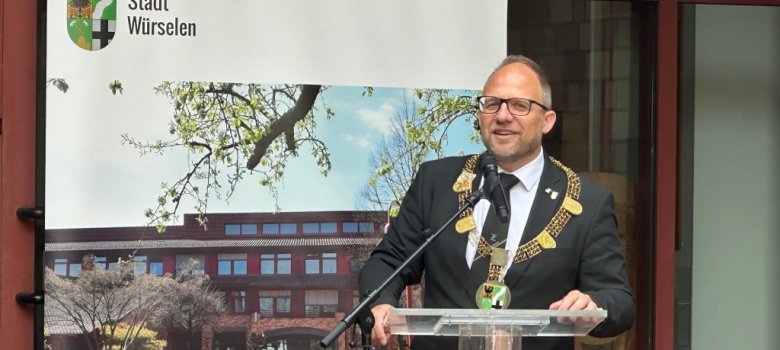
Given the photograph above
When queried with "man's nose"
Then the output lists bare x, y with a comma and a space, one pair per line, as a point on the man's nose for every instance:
503, 115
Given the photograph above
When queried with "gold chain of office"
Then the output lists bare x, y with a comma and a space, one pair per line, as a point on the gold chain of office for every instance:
546, 238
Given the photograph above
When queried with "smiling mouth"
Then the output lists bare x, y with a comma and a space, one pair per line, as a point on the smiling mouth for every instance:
503, 133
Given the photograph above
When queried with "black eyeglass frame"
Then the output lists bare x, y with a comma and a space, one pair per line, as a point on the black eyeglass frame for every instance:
506, 100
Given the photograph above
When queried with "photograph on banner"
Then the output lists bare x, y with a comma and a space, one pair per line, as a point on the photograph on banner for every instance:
216, 175
205, 215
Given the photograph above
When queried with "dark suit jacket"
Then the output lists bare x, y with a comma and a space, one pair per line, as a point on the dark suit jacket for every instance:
588, 256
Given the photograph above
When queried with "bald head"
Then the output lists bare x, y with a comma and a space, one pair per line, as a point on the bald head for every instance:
544, 84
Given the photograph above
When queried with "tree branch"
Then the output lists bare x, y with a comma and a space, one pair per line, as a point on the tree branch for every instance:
285, 123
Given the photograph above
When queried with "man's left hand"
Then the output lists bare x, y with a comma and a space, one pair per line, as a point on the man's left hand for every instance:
575, 300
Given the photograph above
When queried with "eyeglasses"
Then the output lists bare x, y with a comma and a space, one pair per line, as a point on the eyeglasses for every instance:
517, 106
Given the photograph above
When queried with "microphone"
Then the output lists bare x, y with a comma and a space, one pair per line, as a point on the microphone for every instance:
495, 190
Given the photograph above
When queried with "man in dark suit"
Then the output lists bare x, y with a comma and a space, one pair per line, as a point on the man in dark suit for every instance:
561, 240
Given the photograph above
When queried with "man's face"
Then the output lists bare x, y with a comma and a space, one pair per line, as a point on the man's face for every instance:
514, 140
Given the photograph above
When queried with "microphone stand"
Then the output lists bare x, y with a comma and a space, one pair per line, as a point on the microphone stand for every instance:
362, 313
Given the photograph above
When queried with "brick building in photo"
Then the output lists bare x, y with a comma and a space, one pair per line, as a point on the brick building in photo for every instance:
287, 278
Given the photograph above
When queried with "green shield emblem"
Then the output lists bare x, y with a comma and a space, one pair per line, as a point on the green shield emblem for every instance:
493, 295
91, 23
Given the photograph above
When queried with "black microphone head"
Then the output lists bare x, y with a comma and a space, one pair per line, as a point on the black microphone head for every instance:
492, 187
489, 173
487, 160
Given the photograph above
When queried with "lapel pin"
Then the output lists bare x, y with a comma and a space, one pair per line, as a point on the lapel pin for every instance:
553, 194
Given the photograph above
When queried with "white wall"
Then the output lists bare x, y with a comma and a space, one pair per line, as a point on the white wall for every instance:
736, 181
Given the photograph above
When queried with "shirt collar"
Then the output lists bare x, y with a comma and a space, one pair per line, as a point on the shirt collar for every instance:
530, 173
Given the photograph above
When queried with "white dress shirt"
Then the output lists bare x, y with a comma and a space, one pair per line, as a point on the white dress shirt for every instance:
521, 196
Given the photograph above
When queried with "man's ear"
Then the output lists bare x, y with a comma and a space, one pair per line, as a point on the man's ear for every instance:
549, 120
476, 123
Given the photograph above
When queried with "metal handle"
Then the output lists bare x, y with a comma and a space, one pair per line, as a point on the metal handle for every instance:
30, 213
25, 297
29, 298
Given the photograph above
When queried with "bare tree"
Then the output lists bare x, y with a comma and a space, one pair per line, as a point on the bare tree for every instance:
393, 162
98, 300
193, 304
419, 132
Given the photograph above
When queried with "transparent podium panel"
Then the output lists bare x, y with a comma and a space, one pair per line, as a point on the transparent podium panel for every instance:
493, 329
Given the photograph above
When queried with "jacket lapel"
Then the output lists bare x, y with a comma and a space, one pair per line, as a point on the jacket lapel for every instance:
542, 210
471, 284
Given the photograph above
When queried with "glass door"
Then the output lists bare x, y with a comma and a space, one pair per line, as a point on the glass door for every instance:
600, 59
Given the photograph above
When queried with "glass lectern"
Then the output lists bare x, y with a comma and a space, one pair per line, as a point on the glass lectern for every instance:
493, 329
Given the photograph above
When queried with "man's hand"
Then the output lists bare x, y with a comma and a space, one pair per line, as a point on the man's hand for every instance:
575, 300
379, 334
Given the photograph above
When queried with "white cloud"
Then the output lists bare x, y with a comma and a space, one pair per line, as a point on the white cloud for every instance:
361, 141
379, 119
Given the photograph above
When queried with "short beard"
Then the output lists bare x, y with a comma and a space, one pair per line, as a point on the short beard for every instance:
513, 155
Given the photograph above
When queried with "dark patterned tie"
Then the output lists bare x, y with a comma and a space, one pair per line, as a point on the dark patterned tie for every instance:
494, 231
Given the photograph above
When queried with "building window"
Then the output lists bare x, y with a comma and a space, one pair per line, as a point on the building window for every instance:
231, 264
199, 261
62, 268
274, 302
284, 264
275, 229
249, 229
275, 264
239, 301
75, 270
139, 264
350, 227
240, 229
328, 227
312, 263
329, 263
321, 303
101, 263
270, 229
267, 264
358, 227
311, 228
321, 263
156, 268
314, 228
288, 229
367, 227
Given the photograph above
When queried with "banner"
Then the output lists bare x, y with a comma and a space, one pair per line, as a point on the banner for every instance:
254, 144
